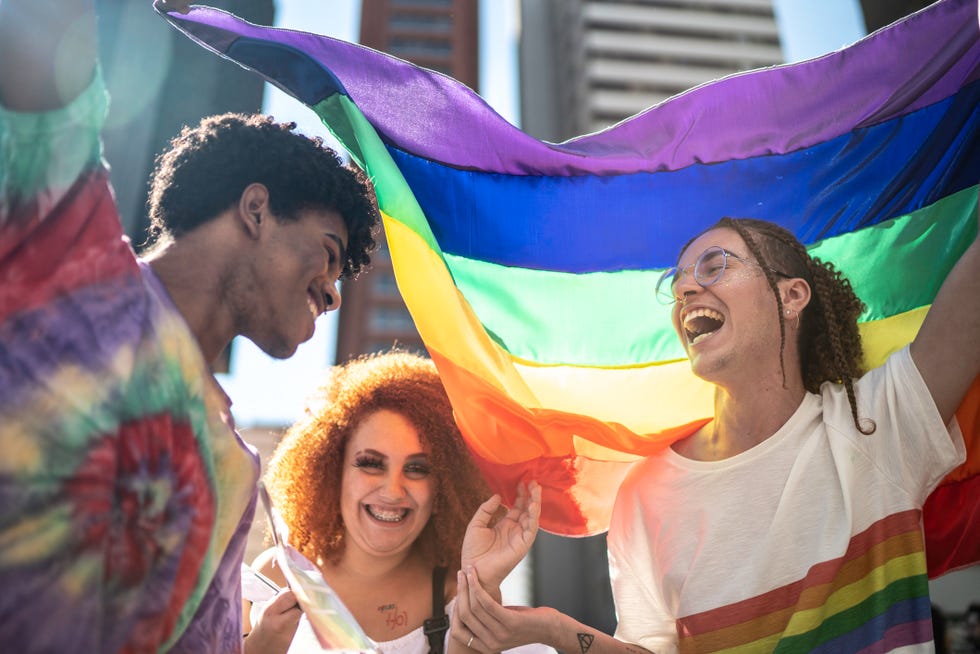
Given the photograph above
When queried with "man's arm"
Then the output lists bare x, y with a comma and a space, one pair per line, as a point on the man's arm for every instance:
947, 348
47, 52
494, 628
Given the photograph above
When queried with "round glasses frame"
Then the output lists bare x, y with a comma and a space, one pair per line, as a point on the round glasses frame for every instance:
707, 270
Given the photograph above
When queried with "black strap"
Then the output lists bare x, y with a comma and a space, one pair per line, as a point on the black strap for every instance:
435, 627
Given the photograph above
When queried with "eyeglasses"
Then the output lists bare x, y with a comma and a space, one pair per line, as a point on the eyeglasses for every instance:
708, 269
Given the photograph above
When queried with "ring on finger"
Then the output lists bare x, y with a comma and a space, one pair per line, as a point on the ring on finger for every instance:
470, 641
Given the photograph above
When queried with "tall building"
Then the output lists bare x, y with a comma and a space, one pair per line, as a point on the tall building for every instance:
878, 13
437, 34
587, 64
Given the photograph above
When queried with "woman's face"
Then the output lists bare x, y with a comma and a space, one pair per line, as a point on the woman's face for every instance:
387, 487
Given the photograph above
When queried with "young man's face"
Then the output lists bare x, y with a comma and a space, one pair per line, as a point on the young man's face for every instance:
295, 278
730, 322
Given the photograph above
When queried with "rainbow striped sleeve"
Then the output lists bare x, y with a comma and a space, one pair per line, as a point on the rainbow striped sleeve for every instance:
529, 266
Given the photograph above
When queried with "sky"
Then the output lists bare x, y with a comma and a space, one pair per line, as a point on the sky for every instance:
271, 392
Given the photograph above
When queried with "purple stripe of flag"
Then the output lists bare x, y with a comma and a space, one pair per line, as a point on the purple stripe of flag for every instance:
894, 71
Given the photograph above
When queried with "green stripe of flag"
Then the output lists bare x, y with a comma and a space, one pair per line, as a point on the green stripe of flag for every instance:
346, 122
614, 319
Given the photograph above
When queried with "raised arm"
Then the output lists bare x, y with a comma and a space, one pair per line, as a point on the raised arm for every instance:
947, 347
47, 52
495, 547
482, 624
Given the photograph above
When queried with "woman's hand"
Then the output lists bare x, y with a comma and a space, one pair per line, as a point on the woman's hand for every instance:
275, 625
494, 549
481, 623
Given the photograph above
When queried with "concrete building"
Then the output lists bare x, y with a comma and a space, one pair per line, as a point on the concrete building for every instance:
587, 64
878, 13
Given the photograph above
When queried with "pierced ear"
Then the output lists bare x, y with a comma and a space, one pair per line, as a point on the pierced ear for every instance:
796, 294
253, 207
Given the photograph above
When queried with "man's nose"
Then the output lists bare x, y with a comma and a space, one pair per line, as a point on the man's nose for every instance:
685, 284
332, 295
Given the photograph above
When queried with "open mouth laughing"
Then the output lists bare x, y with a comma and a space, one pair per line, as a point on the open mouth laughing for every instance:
316, 302
390, 514
701, 323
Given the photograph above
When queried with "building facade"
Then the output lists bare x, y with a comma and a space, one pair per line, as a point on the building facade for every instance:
878, 13
587, 64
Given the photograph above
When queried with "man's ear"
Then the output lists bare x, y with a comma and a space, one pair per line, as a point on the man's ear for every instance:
796, 293
253, 208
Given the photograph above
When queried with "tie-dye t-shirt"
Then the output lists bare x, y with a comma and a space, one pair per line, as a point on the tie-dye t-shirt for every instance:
125, 493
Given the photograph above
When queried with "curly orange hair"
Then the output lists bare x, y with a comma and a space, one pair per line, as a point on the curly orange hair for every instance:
305, 471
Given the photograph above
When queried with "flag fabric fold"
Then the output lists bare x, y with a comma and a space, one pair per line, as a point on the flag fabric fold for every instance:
529, 266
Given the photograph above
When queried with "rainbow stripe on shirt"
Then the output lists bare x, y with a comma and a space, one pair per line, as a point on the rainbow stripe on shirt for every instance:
874, 598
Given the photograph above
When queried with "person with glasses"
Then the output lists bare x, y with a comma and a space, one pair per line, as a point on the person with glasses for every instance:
792, 520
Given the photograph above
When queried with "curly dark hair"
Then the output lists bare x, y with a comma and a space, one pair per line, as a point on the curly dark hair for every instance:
206, 169
305, 471
829, 339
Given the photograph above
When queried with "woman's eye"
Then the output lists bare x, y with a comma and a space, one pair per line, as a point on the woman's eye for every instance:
369, 464
417, 470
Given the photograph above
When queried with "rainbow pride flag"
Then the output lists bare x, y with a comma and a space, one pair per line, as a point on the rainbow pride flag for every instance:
529, 267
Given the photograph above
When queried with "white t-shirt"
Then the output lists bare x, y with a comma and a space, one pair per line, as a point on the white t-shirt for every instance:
811, 539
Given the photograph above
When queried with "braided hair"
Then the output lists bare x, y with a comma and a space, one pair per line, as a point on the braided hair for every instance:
829, 340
